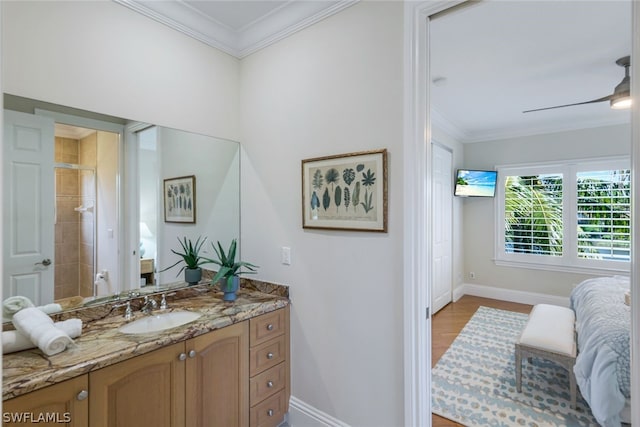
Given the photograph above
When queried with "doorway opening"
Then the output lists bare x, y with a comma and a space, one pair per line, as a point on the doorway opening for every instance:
84, 164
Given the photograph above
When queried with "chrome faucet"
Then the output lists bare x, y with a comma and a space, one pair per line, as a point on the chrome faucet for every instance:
128, 313
148, 305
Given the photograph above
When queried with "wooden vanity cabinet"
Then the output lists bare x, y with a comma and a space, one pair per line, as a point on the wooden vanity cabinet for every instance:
147, 390
269, 368
61, 403
200, 382
217, 378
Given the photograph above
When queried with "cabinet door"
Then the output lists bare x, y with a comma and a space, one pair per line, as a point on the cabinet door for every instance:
218, 378
65, 402
147, 390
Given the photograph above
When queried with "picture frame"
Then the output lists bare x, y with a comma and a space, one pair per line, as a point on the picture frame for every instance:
180, 199
345, 192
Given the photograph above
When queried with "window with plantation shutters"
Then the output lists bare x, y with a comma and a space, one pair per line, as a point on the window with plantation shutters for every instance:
568, 217
603, 214
533, 214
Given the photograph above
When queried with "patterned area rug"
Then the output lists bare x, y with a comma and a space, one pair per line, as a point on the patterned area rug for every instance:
474, 382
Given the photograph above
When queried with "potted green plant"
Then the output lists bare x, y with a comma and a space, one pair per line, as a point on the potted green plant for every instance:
191, 258
228, 274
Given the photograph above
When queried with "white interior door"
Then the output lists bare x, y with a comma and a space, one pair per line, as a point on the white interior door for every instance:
28, 220
442, 167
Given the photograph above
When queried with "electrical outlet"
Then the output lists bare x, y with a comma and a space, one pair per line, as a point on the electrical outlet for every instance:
472, 274
286, 255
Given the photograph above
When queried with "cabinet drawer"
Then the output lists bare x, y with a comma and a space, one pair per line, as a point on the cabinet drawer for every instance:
267, 355
146, 266
265, 327
265, 384
270, 412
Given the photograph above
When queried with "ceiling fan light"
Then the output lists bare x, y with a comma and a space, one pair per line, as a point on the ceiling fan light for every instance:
621, 97
621, 103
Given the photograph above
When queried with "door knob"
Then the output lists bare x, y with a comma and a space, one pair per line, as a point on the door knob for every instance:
44, 262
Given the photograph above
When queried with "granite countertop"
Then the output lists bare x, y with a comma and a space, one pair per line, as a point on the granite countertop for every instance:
101, 344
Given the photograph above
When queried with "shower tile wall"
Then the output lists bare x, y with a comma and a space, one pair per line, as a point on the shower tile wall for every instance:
74, 230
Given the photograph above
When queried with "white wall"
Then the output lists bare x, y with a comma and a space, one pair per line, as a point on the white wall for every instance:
479, 213
100, 56
149, 189
107, 210
215, 164
335, 87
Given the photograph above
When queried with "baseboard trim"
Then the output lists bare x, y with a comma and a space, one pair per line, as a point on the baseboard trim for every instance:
302, 414
511, 295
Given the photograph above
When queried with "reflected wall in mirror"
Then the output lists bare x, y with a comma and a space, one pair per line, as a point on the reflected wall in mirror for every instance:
86, 211
215, 163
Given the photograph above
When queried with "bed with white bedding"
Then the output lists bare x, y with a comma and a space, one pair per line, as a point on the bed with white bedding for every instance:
602, 368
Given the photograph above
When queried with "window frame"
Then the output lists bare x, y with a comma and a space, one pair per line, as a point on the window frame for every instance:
569, 260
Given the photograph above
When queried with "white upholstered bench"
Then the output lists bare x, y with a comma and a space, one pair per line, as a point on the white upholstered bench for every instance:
549, 334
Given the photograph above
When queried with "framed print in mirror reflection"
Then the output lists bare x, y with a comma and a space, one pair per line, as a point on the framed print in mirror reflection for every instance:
180, 199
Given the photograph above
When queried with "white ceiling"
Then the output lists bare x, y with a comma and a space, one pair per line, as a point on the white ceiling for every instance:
501, 58
497, 58
72, 132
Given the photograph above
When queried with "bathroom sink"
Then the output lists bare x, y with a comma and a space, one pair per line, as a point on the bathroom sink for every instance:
159, 322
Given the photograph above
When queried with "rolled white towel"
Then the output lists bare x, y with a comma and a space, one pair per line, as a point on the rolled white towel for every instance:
38, 327
12, 305
13, 341
50, 308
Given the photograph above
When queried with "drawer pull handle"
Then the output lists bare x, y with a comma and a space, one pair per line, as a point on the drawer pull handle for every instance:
182, 356
82, 395
270, 327
269, 356
270, 384
192, 354
270, 412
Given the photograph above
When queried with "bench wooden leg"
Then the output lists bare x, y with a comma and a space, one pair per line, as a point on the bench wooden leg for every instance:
572, 386
518, 369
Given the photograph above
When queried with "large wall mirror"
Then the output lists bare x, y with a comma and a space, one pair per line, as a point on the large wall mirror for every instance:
87, 210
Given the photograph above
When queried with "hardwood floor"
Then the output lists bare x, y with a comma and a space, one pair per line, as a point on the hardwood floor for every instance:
447, 324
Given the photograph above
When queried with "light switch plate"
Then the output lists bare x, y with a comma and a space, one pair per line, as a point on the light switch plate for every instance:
286, 255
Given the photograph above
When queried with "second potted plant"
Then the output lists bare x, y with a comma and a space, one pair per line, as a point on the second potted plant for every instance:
228, 274
191, 258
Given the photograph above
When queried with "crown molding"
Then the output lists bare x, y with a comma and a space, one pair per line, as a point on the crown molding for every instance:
448, 127
278, 24
508, 133
466, 137
295, 16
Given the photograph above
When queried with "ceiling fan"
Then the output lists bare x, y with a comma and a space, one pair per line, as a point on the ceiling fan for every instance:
620, 98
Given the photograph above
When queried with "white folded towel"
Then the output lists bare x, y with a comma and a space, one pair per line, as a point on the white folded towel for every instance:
13, 341
39, 328
12, 305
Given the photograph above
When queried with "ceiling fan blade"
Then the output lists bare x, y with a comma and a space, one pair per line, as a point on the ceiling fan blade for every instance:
593, 101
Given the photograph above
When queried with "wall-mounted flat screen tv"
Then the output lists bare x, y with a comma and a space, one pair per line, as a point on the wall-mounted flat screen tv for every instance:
475, 183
